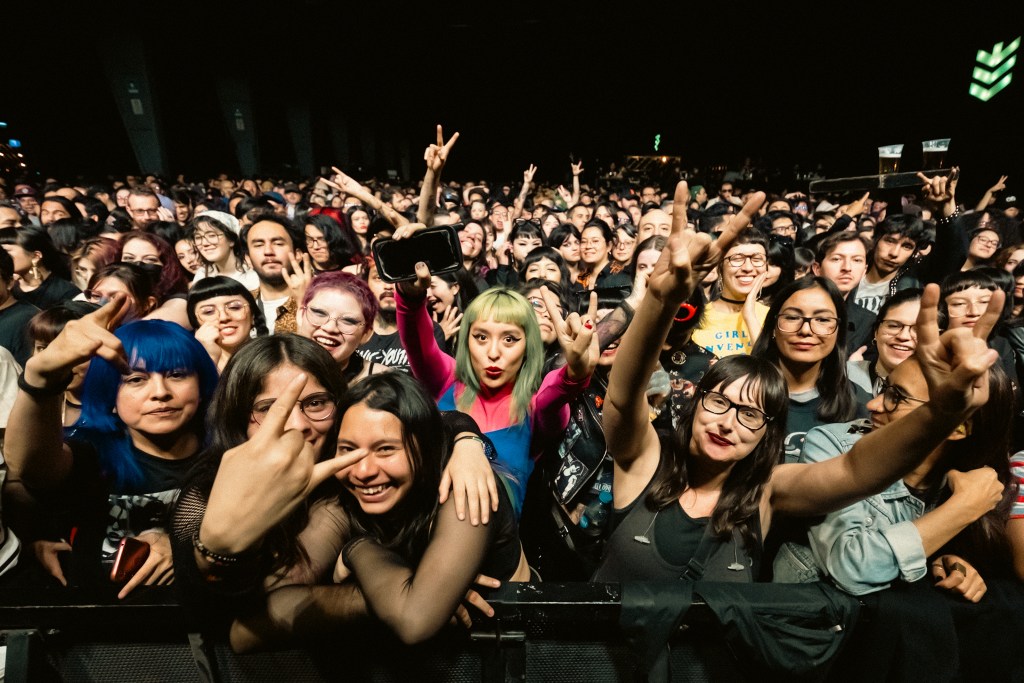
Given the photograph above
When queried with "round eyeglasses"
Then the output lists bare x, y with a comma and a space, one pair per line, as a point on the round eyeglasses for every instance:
317, 407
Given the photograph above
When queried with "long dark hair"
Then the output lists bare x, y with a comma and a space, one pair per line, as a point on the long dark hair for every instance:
406, 527
838, 403
343, 246
36, 238
741, 494
984, 541
227, 422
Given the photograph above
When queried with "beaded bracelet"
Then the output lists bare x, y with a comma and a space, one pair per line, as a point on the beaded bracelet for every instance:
217, 559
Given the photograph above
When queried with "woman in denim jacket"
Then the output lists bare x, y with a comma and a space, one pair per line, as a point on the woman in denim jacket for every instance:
951, 510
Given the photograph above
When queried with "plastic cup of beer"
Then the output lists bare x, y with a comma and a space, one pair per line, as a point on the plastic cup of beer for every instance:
889, 158
933, 153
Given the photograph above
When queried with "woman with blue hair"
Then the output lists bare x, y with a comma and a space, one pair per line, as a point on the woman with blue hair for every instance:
119, 467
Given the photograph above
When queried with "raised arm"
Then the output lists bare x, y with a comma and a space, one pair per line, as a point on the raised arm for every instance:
436, 157
35, 452
524, 192
956, 368
687, 259
577, 169
990, 194
430, 365
343, 183
578, 340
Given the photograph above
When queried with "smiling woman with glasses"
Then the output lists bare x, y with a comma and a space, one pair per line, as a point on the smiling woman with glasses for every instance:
734, 318
224, 316
215, 237
337, 313
946, 519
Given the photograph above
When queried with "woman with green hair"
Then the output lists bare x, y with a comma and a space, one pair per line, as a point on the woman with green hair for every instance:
496, 376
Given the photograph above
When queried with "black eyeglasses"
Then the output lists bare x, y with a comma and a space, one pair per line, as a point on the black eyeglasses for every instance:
317, 407
748, 416
893, 396
789, 322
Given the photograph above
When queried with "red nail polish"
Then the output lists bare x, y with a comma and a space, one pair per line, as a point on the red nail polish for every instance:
588, 325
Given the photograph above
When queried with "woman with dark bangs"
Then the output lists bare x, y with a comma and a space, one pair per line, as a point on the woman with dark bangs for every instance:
170, 285
331, 243
120, 466
699, 505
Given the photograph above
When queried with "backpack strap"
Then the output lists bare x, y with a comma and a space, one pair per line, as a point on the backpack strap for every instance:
698, 563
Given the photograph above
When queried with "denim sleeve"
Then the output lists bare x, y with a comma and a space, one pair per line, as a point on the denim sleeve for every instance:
868, 545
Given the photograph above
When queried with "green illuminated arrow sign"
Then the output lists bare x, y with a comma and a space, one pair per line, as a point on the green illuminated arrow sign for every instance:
657, 141
994, 68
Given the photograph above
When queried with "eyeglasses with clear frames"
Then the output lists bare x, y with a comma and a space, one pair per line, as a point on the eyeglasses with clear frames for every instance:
317, 407
234, 309
319, 317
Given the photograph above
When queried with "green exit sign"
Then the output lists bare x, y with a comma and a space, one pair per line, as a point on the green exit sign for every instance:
992, 70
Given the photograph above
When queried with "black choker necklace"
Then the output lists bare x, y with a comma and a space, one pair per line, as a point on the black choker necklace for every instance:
732, 301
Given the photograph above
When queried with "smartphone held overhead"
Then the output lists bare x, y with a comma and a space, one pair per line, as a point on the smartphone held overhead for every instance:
438, 247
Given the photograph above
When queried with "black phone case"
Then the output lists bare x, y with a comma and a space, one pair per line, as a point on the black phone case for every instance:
412, 250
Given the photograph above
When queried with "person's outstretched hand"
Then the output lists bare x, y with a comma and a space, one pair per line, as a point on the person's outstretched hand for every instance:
955, 363
436, 155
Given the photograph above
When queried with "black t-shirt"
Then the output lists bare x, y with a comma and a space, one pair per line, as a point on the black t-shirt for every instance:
387, 349
52, 292
14, 330
104, 515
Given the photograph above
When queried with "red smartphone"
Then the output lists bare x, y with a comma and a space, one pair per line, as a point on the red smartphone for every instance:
131, 555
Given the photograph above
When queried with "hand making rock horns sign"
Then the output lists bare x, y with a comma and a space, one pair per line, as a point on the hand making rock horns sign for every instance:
260, 482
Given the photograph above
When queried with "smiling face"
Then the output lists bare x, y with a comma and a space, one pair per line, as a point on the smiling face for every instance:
593, 247
895, 338
441, 294
212, 243
737, 281
471, 239
909, 380
497, 351
384, 477
805, 345
334, 320
721, 438
157, 403
313, 431
231, 315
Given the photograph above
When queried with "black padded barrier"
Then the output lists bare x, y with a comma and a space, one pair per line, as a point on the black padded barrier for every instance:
542, 632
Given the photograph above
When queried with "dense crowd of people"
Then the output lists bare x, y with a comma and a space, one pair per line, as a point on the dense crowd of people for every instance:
621, 382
